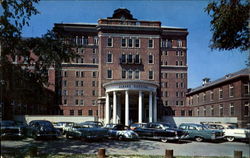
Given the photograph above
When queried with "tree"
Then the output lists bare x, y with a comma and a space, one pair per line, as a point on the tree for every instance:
229, 24
19, 83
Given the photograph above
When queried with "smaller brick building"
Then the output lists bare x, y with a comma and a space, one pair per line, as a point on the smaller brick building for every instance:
228, 96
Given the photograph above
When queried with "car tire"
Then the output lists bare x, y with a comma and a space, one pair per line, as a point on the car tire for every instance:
199, 139
164, 140
230, 139
120, 137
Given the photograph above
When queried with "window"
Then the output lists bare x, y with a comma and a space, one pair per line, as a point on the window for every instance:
177, 85
137, 43
82, 73
110, 42
150, 59
93, 102
84, 40
137, 74
176, 63
204, 111
109, 74
177, 75
166, 93
220, 93
130, 43
93, 93
79, 112
179, 43
123, 59
76, 102
90, 112
71, 112
81, 92
94, 74
166, 103
130, 58
204, 97
130, 74
81, 102
231, 109
211, 95
93, 60
181, 102
65, 92
182, 75
182, 112
123, 74
150, 43
177, 53
246, 89
77, 74
182, 84
181, 63
169, 43
151, 75
177, 103
124, 42
221, 110
81, 60
246, 109
64, 83
212, 110
76, 83
65, 74
94, 51
95, 40
198, 98
93, 83
166, 84
109, 58
137, 58
190, 112
181, 53
65, 101
81, 83
231, 90
177, 94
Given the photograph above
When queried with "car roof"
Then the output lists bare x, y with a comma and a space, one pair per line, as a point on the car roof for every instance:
195, 124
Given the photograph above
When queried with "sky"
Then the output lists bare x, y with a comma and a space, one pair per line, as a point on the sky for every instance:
202, 61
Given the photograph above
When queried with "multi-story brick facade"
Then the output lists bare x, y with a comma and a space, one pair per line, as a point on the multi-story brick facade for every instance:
225, 97
127, 70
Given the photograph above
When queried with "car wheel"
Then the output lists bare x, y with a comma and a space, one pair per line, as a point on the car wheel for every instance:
120, 137
230, 139
199, 139
164, 140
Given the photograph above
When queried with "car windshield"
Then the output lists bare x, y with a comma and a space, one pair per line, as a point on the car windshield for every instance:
45, 123
8, 123
168, 126
201, 127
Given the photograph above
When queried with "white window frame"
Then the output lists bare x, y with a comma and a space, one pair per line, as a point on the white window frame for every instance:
126, 44
150, 54
109, 53
112, 41
152, 75
138, 74
230, 88
139, 43
108, 74
152, 42
132, 42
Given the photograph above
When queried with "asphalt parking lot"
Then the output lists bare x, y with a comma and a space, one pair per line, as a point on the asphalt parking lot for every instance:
141, 147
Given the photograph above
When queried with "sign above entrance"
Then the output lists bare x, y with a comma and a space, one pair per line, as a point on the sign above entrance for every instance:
130, 85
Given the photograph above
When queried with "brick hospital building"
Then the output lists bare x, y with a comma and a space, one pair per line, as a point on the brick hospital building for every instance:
128, 70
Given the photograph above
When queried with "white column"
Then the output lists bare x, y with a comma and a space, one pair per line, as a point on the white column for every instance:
140, 108
155, 107
126, 108
107, 109
114, 107
150, 119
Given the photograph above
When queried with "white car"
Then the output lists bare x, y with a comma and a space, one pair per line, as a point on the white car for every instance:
231, 132
63, 126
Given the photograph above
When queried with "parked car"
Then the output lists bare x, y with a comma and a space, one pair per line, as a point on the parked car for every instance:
93, 123
86, 132
12, 129
161, 131
62, 126
137, 125
42, 129
231, 132
200, 132
121, 132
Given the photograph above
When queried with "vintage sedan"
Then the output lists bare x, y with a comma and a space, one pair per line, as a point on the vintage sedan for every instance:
231, 132
161, 131
121, 132
86, 132
62, 126
42, 129
137, 125
200, 132
93, 123
12, 129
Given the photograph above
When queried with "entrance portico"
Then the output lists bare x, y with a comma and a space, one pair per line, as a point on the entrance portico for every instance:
132, 101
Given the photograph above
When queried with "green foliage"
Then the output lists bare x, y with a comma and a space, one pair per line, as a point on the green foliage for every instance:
229, 24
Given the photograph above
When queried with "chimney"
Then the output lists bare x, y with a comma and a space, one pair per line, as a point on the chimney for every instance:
205, 81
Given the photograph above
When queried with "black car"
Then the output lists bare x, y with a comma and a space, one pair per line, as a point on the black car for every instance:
92, 123
161, 131
12, 129
42, 129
